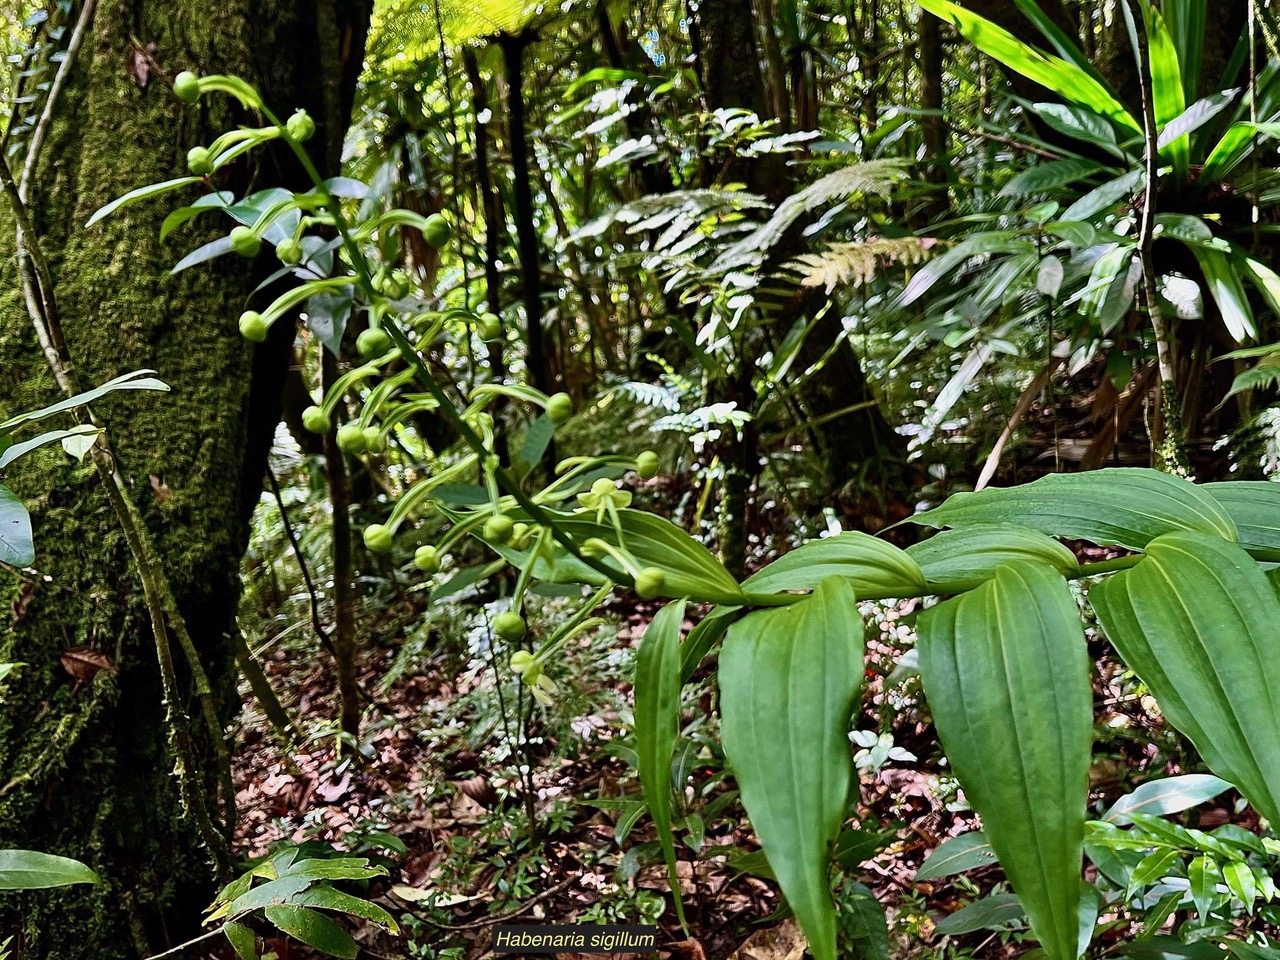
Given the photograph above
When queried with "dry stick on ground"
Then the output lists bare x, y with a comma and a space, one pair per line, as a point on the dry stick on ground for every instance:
1019, 411
37, 285
504, 917
1173, 448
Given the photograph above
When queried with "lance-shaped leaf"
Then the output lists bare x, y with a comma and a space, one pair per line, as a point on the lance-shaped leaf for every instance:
788, 679
873, 567
1197, 620
657, 718
1063, 78
1119, 506
29, 870
1006, 674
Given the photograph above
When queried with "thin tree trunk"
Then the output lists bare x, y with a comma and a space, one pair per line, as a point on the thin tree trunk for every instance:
344, 600
85, 767
526, 230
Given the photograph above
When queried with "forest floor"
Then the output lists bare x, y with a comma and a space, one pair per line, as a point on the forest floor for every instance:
436, 787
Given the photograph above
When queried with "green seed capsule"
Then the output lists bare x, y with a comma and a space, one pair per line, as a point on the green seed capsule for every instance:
378, 538
289, 251
300, 126
559, 408
373, 342
200, 161
245, 242
316, 420
426, 559
374, 441
488, 326
253, 326
437, 231
395, 285
186, 87
647, 465
499, 528
351, 438
510, 626
649, 582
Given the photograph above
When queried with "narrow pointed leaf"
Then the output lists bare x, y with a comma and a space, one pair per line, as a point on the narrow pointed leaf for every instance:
990, 913
788, 680
1196, 620
1167, 96
29, 870
138, 195
1121, 506
657, 719
1227, 287
1063, 78
1006, 674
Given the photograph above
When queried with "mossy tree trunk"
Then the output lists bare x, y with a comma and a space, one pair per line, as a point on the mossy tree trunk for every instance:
85, 768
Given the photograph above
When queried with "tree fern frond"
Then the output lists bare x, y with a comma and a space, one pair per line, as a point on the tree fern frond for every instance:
858, 262
409, 27
877, 177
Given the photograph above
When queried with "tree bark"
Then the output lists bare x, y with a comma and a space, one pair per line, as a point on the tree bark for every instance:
85, 768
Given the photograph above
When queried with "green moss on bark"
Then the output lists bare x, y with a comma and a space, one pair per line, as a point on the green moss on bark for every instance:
84, 766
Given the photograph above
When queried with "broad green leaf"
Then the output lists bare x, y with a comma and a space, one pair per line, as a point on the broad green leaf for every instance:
135, 196
267, 894
863, 922
874, 567
1154, 867
327, 898
341, 868
1167, 947
1241, 882
1006, 675
1118, 506
1196, 116
1048, 177
17, 546
1227, 154
1081, 124
788, 680
1124, 187
241, 939
1205, 876
972, 554
969, 851
314, 929
856, 845
1063, 78
1196, 620
657, 720
990, 913
1254, 507
28, 870
1162, 797
1225, 283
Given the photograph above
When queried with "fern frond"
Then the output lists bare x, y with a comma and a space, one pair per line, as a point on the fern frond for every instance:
858, 262
874, 177
409, 27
